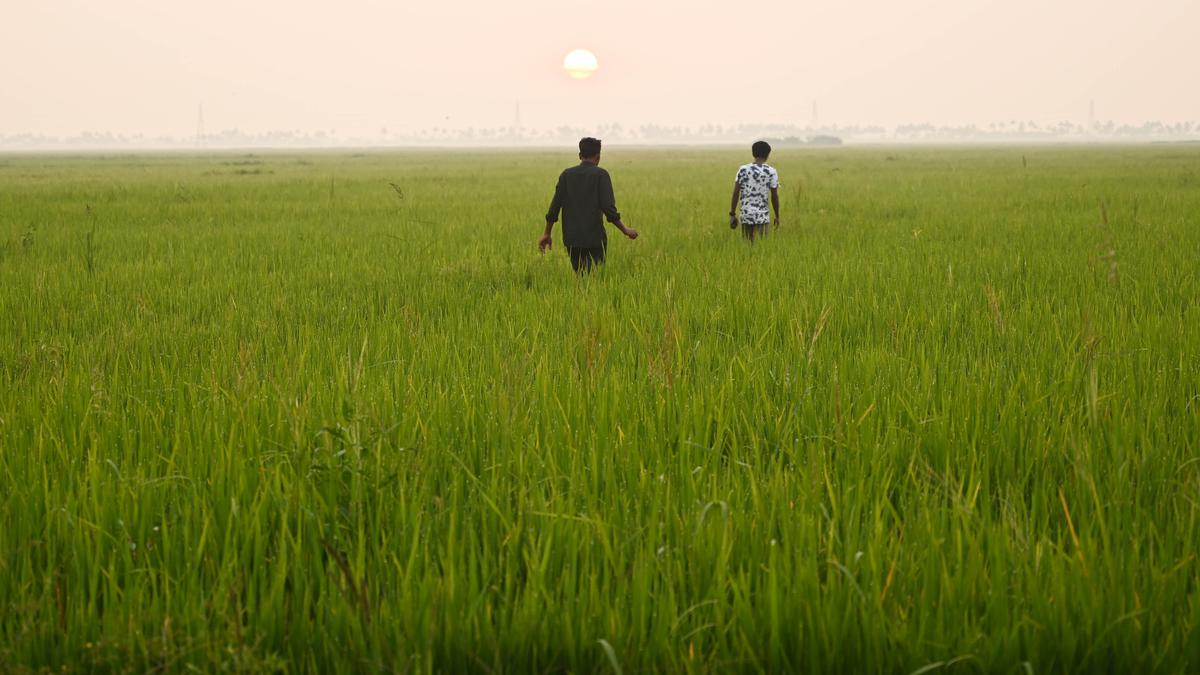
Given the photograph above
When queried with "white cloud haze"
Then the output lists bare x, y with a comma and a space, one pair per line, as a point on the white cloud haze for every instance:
141, 66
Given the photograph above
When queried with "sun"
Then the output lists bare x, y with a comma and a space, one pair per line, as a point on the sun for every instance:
580, 64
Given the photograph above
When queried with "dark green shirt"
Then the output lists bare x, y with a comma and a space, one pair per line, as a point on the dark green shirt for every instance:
583, 193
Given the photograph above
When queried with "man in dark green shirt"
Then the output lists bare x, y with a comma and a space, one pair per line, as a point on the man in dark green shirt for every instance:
584, 193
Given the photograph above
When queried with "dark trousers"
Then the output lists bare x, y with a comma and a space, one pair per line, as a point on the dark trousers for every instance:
582, 259
754, 231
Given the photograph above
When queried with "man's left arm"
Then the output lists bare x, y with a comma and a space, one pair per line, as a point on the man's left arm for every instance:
547, 241
733, 204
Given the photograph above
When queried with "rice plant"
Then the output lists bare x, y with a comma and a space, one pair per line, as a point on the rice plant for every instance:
923, 427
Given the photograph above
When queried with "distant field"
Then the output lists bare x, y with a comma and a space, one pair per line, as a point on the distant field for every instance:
333, 412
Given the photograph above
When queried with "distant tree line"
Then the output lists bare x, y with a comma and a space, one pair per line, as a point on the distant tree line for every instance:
784, 134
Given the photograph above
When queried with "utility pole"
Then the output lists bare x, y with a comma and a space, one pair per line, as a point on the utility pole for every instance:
200, 127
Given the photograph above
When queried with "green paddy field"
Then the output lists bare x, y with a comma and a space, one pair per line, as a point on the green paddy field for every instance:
333, 413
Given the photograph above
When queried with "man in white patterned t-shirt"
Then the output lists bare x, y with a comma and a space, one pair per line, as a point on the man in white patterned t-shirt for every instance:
754, 182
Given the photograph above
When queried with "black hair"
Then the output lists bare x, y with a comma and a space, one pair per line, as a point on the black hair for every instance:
589, 147
761, 149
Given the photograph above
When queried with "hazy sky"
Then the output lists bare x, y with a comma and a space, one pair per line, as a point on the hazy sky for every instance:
356, 66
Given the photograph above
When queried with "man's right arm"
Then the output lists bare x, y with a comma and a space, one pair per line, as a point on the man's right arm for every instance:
608, 205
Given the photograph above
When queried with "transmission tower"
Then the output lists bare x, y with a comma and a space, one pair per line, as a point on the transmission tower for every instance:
200, 136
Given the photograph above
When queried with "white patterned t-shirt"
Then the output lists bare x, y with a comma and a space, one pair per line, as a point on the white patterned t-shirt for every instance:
756, 182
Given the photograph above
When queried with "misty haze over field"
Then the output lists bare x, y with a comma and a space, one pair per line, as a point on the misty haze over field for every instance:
224, 73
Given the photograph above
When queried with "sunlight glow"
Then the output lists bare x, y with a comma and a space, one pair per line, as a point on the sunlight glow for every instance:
580, 64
